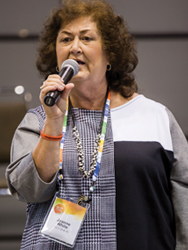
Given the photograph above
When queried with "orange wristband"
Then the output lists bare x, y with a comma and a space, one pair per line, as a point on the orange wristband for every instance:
49, 137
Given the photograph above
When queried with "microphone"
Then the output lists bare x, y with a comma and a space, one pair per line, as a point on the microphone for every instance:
69, 68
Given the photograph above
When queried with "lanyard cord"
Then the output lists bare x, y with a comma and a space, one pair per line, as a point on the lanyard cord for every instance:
63, 142
102, 131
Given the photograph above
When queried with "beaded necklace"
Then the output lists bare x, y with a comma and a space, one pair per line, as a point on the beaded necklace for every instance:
98, 148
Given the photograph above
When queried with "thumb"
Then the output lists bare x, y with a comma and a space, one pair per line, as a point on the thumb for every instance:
67, 90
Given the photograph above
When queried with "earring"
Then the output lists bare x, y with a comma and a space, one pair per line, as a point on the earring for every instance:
109, 67
57, 69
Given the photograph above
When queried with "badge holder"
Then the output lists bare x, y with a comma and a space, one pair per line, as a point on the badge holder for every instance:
64, 220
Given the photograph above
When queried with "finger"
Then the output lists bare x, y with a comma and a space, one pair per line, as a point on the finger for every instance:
50, 85
55, 78
65, 94
67, 90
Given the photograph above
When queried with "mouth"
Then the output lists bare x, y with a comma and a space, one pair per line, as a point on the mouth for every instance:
80, 62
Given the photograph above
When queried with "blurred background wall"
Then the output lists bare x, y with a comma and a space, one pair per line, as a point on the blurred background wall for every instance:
161, 31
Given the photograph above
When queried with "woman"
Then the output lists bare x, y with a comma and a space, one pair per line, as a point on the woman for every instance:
138, 198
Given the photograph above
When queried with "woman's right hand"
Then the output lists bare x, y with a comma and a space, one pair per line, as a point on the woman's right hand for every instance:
46, 153
55, 114
52, 83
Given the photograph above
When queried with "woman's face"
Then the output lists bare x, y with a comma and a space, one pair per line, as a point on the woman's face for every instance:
81, 41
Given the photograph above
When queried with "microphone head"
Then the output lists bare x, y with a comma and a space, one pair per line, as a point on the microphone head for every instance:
72, 64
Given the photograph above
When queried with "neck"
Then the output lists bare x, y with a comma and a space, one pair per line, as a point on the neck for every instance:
92, 100
117, 99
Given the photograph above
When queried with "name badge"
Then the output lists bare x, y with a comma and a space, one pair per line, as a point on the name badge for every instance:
63, 221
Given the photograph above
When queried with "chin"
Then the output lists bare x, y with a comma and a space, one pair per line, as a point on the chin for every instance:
80, 77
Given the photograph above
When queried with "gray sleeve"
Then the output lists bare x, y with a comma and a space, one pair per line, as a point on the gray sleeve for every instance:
23, 180
179, 181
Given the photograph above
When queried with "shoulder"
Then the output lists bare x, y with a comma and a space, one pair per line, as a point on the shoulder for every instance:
39, 113
33, 120
142, 105
142, 119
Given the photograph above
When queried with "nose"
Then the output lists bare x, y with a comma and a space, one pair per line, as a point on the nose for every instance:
76, 46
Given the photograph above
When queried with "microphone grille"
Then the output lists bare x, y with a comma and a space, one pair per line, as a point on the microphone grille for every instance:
71, 63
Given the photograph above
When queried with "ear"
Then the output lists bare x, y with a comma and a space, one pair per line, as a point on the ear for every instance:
108, 68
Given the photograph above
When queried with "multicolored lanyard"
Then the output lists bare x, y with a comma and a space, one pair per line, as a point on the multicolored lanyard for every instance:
63, 142
100, 150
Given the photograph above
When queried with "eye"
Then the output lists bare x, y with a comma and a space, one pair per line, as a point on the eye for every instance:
65, 39
87, 38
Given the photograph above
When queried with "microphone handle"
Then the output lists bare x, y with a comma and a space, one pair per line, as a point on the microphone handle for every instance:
51, 97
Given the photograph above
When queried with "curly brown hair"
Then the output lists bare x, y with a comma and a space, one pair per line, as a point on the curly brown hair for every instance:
118, 43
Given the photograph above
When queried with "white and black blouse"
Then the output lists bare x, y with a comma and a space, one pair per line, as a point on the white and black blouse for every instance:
140, 199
